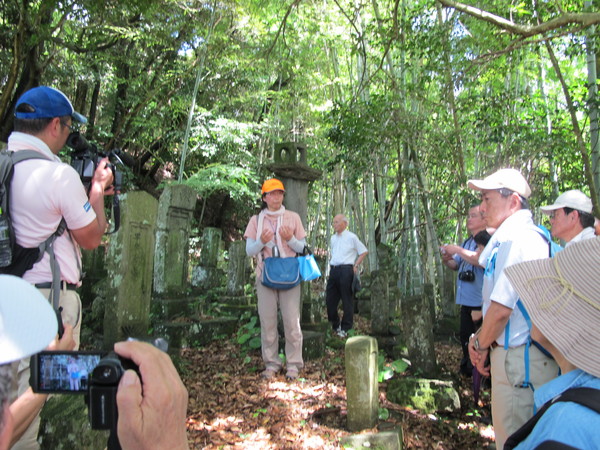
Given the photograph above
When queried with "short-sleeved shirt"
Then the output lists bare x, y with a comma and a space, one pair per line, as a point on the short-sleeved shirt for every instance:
468, 293
515, 240
42, 193
565, 422
345, 247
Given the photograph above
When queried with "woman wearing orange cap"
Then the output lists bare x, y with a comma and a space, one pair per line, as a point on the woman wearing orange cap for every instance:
276, 226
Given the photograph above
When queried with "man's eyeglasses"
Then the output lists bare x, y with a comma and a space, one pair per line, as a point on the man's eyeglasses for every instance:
71, 128
552, 214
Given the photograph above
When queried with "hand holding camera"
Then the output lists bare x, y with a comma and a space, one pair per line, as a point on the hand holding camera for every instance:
152, 417
146, 414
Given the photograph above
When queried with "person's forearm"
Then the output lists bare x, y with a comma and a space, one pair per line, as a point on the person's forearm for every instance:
253, 246
97, 202
470, 256
24, 409
493, 325
450, 263
297, 244
360, 258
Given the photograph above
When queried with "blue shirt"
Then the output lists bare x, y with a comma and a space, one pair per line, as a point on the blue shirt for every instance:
565, 422
468, 293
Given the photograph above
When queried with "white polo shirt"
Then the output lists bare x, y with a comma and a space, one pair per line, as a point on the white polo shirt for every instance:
42, 193
516, 240
345, 247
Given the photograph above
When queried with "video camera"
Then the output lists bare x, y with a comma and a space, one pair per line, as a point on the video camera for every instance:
95, 374
85, 158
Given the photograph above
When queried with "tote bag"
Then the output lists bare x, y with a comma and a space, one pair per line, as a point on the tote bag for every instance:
309, 269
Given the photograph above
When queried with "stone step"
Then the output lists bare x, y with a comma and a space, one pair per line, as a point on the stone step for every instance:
167, 309
195, 333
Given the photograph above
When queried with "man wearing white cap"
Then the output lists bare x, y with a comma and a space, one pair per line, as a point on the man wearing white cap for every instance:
43, 193
152, 418
562, 295
516, 367
571, 217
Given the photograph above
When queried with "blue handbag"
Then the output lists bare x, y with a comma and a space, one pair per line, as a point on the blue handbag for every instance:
309, 269
281, 273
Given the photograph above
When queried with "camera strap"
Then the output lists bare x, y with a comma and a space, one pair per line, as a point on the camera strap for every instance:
116, 214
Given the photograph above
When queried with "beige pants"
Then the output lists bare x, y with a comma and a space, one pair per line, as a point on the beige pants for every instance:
512, 405
71, 304
289, 303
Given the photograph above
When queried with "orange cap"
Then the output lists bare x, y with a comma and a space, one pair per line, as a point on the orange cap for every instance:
272, 184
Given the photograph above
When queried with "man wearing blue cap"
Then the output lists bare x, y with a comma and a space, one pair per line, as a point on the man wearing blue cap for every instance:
43, 192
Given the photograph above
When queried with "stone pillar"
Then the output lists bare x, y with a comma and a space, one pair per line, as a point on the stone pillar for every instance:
362, 388
175, 212
206, 274
417, 328
129, 266
237, 268
380, 312
93, 265
291, 167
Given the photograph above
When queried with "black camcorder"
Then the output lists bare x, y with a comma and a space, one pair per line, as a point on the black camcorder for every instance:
94, 374
466, 275
85, 158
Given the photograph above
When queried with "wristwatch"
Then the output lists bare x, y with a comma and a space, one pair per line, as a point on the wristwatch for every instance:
477, 347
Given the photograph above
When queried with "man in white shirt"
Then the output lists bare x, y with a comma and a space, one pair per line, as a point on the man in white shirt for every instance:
43, 192
347, 253
571, 217
516, 367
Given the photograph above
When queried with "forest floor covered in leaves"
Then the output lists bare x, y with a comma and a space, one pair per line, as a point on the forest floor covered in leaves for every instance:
232, 407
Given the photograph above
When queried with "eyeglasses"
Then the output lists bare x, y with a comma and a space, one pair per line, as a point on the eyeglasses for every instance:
552, 214
71, 128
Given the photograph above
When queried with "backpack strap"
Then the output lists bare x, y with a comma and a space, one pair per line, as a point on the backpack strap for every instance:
552, 250
588, 397
48, 244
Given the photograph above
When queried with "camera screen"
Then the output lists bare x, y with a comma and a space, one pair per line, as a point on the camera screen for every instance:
64, 372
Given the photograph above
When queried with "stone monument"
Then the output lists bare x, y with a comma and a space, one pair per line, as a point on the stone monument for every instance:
129, 265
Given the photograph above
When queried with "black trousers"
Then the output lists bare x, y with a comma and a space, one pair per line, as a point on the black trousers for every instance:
339, 287
467, 328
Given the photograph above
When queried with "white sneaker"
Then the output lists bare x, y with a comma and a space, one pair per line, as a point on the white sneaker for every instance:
341, 333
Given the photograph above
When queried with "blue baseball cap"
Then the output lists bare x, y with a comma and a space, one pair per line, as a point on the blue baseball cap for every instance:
45, 102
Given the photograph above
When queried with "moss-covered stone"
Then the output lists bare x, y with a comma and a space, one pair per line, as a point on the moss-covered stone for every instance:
426, 395
65, 425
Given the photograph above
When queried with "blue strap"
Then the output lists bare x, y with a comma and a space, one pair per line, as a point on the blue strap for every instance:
526, 383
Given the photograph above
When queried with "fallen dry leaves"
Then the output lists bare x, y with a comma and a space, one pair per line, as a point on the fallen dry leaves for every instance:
231, 407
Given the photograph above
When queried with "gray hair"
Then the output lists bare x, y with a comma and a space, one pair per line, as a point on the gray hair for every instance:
6, 375
504, 192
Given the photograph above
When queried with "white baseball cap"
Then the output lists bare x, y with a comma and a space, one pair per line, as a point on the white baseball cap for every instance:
27, 321
503, 178
574, 199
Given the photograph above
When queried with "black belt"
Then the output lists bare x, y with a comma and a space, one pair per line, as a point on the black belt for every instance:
342, 265
63, 285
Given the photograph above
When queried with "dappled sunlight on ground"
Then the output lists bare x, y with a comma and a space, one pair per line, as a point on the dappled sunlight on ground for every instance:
232, 407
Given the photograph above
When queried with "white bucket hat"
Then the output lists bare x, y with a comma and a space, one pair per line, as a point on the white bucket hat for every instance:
574, 199
27, 321
503, 178
562, 296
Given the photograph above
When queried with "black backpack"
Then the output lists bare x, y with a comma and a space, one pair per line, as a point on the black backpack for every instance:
587, 397
15, 259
